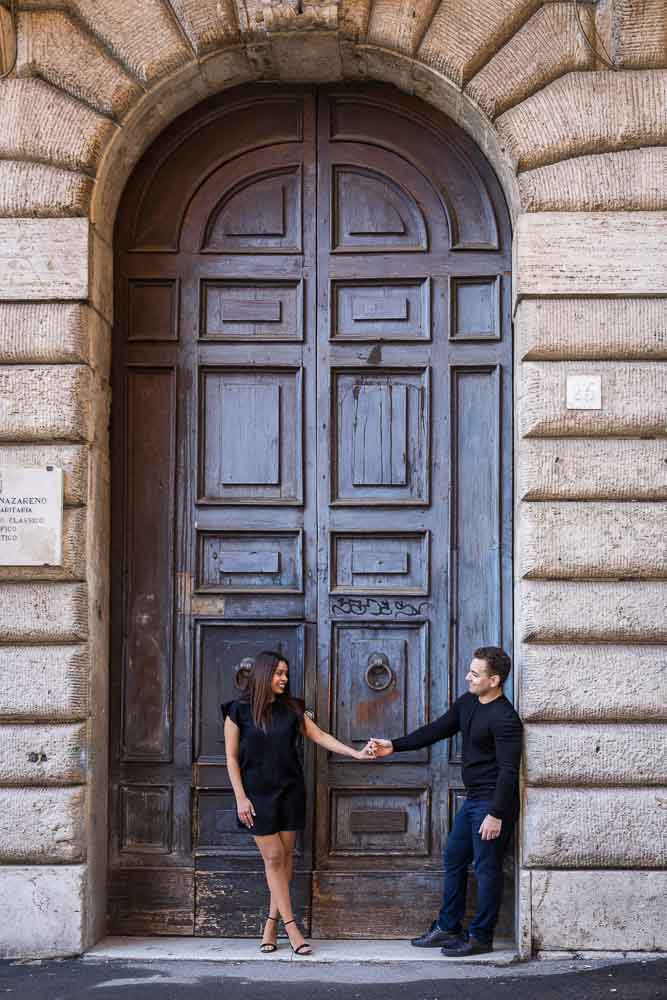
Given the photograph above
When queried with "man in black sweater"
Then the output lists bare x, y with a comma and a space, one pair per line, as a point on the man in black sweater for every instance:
483, 826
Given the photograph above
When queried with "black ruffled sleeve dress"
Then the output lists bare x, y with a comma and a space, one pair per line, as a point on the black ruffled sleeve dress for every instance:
271, 767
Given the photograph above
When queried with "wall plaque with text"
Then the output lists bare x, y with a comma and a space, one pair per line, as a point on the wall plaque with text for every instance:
31, 516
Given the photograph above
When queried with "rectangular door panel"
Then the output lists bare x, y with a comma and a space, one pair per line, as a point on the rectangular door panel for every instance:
251, 436
381, 310
379, 563
476, 521
252, 311
242, 562
380, 437
150, 505
391, 822
379, 681
225, 654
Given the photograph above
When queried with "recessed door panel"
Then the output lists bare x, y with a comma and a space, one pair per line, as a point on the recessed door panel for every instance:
261, 214
379, 680
251, 436
379, 563
225, 657
380, 428
252, 310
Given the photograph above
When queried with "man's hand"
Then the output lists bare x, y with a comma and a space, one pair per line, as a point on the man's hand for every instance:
490, 828
382, 748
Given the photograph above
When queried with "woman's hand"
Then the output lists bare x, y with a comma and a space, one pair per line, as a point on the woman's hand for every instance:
366, 753
246, 811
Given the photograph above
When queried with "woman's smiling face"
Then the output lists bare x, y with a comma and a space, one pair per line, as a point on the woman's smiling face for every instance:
279, 679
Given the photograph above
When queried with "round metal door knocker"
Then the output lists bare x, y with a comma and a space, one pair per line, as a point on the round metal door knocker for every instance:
379, 675
243, 672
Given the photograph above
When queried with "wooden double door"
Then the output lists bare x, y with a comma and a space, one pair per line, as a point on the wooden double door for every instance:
311, 453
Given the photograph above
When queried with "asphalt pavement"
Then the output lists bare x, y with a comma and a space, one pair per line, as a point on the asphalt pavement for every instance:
74, 979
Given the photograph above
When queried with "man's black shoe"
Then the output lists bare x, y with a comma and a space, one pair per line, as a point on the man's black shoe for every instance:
436, 938
464, 948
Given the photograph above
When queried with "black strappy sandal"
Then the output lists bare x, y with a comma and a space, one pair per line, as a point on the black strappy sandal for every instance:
267, 947
300, 950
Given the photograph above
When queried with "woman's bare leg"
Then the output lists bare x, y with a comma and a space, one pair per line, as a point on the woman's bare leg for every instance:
270, 935
288, 838
275, 865
277, 854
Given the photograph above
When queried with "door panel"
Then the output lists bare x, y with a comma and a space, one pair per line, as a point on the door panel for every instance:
311, 443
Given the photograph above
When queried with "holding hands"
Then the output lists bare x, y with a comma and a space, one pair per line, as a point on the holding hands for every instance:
378, 748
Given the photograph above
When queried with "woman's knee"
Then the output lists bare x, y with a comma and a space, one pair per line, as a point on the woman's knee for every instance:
274, 857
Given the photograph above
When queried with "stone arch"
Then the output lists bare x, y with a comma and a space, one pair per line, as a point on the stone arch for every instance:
93, 87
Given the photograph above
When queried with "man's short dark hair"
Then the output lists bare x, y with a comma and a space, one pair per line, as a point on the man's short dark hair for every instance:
496, 659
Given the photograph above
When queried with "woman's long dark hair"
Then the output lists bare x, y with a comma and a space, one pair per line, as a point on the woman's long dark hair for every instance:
261, 694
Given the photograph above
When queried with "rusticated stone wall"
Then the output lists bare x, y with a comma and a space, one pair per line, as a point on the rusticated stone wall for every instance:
580, 147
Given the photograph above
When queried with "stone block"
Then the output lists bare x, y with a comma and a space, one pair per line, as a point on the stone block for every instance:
209, 24
73, 565
55, 48
42, 826
44, 683
599, 910
71, 458
529, 60
100, 280
596, 754
563, 541
591, 469
634, 400
258, 18
221, 70
148, 40
38, 122
315, 60
54, 754
579, 828
461, 37
562, 683
629, 180
42, 910
590, 112
44, 333
640, 32
632, 612
591, 329
43, 612
40, 190
398, 26
46, 403
353, 17
43, 258
580, 253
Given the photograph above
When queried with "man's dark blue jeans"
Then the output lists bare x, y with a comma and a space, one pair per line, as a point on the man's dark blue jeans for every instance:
465, 845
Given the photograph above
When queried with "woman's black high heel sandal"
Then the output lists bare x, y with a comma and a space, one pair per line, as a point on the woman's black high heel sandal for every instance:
267, 947
300, 950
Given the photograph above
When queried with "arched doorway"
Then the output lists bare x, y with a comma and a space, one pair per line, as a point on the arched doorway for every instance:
311, 451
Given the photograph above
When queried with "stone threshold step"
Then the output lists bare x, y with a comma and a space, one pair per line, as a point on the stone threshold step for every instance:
247, 950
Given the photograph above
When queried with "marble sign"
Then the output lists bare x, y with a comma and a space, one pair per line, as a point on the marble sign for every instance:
31, 516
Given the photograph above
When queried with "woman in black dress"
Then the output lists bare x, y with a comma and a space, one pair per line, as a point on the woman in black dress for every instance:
262, 746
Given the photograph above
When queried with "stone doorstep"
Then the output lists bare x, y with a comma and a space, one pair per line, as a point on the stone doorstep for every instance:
247, 950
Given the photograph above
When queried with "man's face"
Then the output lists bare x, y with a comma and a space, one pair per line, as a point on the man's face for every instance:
478, 679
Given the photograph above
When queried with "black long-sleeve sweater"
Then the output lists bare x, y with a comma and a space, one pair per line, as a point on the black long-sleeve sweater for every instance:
491, 749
